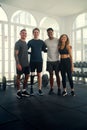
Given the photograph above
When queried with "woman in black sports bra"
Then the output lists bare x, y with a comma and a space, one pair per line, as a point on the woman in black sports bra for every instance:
66, 63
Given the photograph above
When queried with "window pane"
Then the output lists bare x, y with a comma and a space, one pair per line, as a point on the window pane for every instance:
81, 21
0, 67
85, 44
6, 66
0, 41
6, 54
13, 66
78, 45
0, 54
12, 54
3, 16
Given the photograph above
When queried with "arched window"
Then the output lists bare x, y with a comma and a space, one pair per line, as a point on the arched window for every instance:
3, 16
19, 20
3, 43
80, 38
80, 21
47, 22
23, 17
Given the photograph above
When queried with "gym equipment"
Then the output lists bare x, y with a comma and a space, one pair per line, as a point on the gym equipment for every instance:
45, 80
3, 83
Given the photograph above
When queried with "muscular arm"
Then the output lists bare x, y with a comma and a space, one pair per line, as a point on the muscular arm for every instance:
16, 56
19, 67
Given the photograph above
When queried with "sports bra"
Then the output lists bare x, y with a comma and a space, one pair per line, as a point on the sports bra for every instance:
63, 51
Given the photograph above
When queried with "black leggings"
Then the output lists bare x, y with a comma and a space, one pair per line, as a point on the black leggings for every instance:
65, 66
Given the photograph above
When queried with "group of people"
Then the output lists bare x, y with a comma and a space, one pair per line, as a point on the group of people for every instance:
59, 59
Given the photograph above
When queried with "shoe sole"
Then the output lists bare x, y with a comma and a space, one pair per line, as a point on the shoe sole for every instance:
40, 94
25, 95
32, 94
19, 97
73, 95
51, 93
64, 95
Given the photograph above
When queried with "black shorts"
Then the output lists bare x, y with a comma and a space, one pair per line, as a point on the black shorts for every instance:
36, 66
53, 66
25, 70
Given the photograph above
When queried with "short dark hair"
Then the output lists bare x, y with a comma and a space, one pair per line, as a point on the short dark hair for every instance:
50, 29
23, 30
36, 29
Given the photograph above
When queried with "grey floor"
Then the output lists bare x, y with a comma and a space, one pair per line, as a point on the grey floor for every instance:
47, 112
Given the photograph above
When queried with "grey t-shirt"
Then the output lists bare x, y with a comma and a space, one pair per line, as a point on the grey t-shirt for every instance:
52, 46
21, 46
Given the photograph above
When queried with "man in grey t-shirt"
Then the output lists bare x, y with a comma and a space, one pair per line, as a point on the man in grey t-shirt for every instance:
22, 65
52, 59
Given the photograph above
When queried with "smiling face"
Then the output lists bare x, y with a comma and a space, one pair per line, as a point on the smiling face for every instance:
36, 33
23, 34
64, 39
50, 34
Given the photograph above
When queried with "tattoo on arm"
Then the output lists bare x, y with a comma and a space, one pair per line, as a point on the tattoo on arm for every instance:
16, 57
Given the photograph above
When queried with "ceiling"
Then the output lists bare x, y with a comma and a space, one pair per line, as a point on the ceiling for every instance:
50, 7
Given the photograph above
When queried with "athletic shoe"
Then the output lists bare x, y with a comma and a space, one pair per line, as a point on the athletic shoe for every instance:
72, 93
31, 92
51, 91
19, 95
25, 93
64, 93
40, 92
59, 92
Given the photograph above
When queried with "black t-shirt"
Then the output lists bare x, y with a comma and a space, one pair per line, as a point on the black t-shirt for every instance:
37, 46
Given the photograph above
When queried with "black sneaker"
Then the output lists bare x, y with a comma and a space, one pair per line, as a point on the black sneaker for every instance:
19, 95
64, 93
31, 92
72, 93
25, 94
51, 91
59, 92
40, 92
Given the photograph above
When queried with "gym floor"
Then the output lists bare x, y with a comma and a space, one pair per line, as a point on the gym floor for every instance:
47, 112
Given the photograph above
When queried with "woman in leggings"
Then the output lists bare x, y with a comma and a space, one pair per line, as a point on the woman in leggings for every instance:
66, 63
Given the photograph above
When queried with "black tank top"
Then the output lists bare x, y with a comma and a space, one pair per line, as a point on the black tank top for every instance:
63, 51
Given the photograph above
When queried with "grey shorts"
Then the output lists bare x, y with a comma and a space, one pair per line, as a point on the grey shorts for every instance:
53, 66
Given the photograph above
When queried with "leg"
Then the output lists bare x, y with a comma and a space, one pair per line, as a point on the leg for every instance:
19, 95
39, 83
32, 83
69, 73
39, 70
63, 74
25, 81
58, 79
18, 81
26, 73
24, 92
39, 80
51, 80
32, 66
58, 83
50, 70
51, 83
